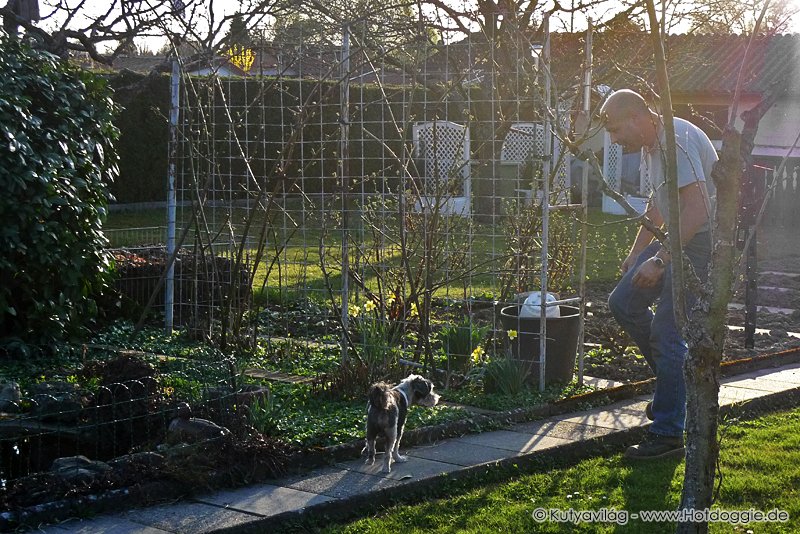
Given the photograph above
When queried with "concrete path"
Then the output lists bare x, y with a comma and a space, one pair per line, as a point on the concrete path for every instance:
347, 483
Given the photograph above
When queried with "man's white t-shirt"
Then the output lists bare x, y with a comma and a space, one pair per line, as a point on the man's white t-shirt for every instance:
696, 156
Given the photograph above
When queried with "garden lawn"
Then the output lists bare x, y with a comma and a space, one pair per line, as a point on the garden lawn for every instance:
609, 238
760, 462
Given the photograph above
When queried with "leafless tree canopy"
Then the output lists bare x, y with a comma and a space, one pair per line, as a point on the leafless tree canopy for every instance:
104, 30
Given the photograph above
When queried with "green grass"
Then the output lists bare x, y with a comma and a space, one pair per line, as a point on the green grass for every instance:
142, 218
760, 461
609, 238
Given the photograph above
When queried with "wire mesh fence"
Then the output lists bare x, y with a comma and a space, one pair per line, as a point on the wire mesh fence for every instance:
392, 179
372, 206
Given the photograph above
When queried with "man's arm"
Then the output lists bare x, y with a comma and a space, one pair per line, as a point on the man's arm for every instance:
643, 238
694, 215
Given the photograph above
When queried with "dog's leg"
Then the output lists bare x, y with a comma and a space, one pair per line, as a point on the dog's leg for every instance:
369, 446
391, 439
396, 449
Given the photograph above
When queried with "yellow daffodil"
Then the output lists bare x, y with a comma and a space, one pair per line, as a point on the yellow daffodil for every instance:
353, 310
389, 302
512, 334
477, 354
414, 311
369, 306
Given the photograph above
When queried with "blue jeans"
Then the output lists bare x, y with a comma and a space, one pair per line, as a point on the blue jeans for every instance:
656, 333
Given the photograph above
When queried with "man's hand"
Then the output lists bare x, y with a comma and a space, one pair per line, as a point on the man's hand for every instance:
649, 274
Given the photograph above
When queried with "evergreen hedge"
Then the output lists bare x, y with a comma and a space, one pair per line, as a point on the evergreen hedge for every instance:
56, 163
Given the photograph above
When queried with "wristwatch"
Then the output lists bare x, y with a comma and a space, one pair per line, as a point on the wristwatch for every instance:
658, 261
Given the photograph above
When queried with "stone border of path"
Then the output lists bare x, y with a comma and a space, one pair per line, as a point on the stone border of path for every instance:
339, 491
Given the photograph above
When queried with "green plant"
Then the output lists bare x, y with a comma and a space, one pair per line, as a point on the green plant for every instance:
57, 161
264, 413
506, 376
376, 350
460, 341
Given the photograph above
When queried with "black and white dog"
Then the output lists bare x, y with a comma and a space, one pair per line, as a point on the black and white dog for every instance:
386, 414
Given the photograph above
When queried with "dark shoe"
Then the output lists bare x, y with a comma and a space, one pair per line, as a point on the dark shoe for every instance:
655, 446
648, 411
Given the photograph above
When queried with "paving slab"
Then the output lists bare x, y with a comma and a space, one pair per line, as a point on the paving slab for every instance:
459, 453
792, 275
730, 394
616, 419
761, 330
336, 482
765, 384
601, 383
264, 499
516, 442
770, 309
790, 376
636, 405
189, 518
100, 525
414, 469
562, 429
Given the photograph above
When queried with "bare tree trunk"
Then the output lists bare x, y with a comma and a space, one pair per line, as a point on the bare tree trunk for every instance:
706, 343
705, 334
701, 368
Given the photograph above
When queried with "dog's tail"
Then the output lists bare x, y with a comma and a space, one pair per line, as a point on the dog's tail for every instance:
379, 395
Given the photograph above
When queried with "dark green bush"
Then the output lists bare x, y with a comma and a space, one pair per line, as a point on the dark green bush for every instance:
56, 162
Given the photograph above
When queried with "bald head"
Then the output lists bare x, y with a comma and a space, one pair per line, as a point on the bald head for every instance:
629, 121
624, 104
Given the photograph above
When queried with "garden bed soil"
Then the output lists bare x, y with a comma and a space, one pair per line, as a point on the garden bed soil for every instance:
773, 335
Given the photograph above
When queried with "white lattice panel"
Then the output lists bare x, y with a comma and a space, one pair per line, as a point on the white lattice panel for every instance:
645, 183
561, 158
524, 141
442, 150
612, 172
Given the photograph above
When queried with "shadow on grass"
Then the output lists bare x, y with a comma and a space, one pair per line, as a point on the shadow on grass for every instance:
651, 485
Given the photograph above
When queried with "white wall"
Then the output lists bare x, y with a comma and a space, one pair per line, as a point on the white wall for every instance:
778, 128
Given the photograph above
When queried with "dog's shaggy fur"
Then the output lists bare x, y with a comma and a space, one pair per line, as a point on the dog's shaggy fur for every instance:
386, 414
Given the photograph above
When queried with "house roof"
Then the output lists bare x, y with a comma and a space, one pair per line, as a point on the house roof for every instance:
702, 64
310, 62
706, 65
139, 64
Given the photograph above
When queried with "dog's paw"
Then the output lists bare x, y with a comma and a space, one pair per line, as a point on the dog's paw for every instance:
400, 459
387, 469
370, 461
